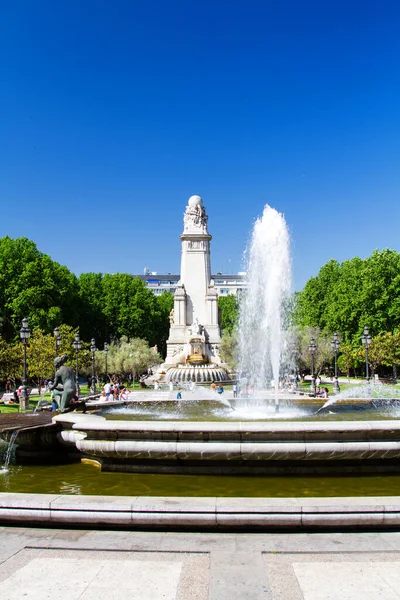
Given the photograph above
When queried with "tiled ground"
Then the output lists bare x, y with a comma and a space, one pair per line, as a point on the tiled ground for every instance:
93, 575
71, 564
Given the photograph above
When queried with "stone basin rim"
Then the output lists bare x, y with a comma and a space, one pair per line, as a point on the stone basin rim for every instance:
99, 423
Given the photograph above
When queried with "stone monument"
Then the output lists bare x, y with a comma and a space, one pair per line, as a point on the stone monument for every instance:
194, 334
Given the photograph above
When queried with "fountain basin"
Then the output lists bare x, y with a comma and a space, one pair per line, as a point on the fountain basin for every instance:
200, 373
233, 447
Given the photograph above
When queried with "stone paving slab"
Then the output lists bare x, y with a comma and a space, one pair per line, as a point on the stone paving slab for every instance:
72, 575
334, 576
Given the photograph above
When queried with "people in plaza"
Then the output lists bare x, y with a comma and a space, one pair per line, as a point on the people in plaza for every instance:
318, 381
325, 392
107, 390
8, 386
220, 389
235, 390
171, 386
123, 395
191, 385
103, 396
213, 386
179, 395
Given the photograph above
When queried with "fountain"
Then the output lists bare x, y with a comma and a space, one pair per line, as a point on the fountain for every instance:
264, 344
9, 450
230, 442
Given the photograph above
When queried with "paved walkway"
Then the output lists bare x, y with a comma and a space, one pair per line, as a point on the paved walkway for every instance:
79, 564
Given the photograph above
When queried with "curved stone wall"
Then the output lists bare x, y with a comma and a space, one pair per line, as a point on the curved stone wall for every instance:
224, 447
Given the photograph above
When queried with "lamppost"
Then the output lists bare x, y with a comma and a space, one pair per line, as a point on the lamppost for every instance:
77, 344
57, 338
24, 334
106, 355
312, 347
335, 343
366, 340
93, 350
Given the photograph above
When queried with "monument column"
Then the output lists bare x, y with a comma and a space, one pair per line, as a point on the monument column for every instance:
195, 260
195, 300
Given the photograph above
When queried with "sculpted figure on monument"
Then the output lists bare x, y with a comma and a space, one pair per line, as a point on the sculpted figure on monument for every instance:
195, 328
64, 384
171, 317
195, 215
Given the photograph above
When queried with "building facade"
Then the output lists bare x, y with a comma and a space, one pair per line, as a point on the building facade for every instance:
224, 284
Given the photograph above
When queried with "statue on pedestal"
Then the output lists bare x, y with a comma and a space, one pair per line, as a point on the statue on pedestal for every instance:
195, 329
64, 385
196, 215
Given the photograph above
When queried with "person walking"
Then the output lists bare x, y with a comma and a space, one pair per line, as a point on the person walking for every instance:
235, 390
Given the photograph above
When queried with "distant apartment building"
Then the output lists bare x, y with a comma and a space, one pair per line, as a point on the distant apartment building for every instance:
224, 284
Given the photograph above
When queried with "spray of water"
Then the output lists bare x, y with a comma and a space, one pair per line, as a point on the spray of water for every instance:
10, 447
264, 344
373, 391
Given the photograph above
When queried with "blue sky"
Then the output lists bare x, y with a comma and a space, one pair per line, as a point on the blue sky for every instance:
114, 113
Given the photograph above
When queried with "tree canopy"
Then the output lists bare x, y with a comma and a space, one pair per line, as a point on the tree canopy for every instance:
346, 296
33, 285
100, 306
229, 312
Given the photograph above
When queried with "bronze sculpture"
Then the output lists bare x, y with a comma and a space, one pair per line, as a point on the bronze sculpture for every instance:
64, 385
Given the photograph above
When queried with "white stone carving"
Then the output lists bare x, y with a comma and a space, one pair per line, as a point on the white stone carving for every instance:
195, 329
195, 218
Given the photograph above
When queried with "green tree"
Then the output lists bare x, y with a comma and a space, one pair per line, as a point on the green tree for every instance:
323, 352
33, 286
345, 297
92, 320
347, 359
313, 301
385, 350
40, 356
119, 305
229, 349
10, 360
165, 304
229, 312
128, 357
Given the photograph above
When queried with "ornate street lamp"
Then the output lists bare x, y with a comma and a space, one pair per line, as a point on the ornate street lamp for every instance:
57, 338
106, 354
93, 350
312, 347
366, 340
24, 334
335, 343
77, 344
